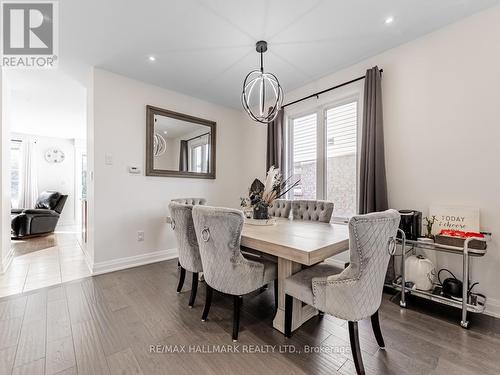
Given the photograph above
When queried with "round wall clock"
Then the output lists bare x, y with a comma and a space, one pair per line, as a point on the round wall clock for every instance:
54, 155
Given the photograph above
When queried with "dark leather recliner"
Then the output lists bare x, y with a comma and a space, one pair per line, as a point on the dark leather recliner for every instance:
39, 220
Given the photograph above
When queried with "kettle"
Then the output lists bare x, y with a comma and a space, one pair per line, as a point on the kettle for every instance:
451, 286
420, 271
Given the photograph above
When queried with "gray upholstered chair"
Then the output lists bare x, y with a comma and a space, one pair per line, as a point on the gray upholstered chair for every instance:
312, 210
191, 201
354, 293
280, 208
225, 268
187, 244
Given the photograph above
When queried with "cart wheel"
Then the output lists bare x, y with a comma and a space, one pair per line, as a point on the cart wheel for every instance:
464, 324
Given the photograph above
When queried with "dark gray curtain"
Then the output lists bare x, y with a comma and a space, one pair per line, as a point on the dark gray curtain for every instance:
275, 153
183, 157
372, 184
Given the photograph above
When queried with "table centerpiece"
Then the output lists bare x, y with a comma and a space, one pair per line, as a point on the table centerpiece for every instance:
262, 195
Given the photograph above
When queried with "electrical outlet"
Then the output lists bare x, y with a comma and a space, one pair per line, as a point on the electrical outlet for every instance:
140, 235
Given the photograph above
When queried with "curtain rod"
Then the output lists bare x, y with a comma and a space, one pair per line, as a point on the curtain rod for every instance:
317, 94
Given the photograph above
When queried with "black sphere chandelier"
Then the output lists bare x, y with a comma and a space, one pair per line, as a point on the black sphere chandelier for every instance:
259, 88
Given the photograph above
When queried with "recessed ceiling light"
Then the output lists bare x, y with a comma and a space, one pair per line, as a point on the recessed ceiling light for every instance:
389, 20
152, 58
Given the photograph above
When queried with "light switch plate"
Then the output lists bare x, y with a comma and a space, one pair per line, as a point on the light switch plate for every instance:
108, 159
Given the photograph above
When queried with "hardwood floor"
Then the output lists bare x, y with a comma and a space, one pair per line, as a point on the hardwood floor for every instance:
108, 324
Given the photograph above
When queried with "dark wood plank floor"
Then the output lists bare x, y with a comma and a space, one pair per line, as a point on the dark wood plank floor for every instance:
107, 325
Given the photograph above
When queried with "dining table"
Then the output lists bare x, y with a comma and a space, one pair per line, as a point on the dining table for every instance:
295, 244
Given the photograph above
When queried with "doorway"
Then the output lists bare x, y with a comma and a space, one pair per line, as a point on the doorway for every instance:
46, 115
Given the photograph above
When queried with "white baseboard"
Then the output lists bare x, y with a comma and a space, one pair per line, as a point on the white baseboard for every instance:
8, 261
133, 261
492, 307
88, 259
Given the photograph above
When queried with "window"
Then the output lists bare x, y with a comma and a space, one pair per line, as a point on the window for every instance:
199, 149
341, 163
304, 154
15, 170
322, 152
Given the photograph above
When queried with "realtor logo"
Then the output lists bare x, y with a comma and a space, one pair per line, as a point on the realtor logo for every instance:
29, 34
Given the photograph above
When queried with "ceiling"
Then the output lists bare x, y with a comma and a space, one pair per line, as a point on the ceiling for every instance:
45, 102
174, 128
204, 48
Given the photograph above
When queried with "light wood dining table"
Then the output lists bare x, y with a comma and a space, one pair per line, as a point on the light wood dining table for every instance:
295, 243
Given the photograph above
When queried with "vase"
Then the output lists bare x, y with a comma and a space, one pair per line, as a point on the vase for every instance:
261, 212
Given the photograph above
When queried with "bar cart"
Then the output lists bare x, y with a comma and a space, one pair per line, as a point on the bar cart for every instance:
466, 304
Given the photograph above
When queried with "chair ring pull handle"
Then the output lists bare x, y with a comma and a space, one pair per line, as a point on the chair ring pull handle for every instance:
205, 234
391, 246
172, 223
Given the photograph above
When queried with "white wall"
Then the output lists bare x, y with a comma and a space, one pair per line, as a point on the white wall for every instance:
5, 250
59, 177
125, 203
56, 176
442, 127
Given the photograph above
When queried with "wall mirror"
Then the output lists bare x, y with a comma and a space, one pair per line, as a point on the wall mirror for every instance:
179, 145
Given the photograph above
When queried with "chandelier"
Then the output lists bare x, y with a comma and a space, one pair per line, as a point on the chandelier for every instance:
259, 88
159, 145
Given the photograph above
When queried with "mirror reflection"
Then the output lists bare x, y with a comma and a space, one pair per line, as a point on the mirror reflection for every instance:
181, 146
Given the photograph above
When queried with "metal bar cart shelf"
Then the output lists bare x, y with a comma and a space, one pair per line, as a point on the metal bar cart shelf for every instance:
465, 303
435, 296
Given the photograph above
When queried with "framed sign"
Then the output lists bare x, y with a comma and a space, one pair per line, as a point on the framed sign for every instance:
455, 217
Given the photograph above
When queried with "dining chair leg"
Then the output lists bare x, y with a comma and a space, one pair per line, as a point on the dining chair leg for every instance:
355, 348
276, 295
182, 276
208, 301
288, 315
236, 316
194, 289
377, 331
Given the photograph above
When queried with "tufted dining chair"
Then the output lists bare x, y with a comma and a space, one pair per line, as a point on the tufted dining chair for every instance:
187, 244
312, 210
191, 201
280, 208
225, 268
353, 293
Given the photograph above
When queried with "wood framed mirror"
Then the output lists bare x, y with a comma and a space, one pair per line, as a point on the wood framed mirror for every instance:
179, 145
